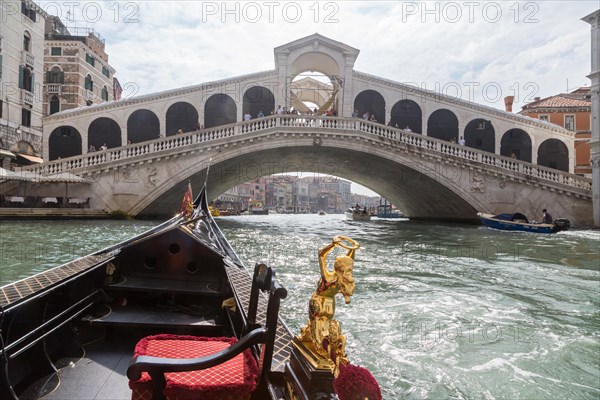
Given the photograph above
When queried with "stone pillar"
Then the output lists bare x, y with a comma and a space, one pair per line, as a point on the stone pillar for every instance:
281, 93
347, 103
594, 20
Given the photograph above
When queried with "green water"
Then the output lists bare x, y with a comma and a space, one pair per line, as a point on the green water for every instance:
439, 311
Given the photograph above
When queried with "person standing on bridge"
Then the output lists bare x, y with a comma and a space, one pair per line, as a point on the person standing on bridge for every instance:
546, 217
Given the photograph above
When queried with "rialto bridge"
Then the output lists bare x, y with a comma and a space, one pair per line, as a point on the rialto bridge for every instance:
509, 162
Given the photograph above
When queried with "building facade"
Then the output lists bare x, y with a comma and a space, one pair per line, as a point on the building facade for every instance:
21, 80
77, 72
573, 112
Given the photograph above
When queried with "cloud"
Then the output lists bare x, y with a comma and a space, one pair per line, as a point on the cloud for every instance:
165, 45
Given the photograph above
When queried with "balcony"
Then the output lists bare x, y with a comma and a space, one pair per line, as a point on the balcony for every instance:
89, 95
27, 97
28, 58
54, 88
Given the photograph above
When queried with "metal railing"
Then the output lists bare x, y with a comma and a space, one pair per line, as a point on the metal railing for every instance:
318, 125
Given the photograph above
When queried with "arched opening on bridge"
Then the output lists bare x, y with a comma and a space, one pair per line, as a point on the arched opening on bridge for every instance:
407, 114
219, 109
443, 124
516, 143
370, 101
104, 131
553, 153
480, 134
314, 93
142, 125
181, 115
64, 141
315, 81
258, 99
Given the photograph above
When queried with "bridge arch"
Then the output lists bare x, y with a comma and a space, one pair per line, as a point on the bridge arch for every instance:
443, 124
219, 109
104, 130
315, 61
434, 191
372, 102
64, 141
142, 125
516, 141
181, 115
258, 99
480, 134
553, 153
407, 113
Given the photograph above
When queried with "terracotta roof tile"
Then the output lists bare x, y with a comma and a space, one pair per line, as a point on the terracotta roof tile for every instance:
575, 99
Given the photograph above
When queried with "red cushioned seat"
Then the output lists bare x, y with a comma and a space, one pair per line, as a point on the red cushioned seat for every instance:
189, 367
234, 379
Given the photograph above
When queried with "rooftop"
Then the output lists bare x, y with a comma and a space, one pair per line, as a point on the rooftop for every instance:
579, 98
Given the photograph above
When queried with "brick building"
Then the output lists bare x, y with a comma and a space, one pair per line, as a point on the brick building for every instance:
77, 69
572, 111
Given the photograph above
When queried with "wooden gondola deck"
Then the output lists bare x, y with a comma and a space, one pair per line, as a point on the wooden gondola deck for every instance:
85, 317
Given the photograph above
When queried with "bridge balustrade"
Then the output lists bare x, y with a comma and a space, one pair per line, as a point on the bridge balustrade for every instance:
273, 122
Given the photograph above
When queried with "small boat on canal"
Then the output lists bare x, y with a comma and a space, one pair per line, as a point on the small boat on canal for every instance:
169, 314
358, 214
519, 222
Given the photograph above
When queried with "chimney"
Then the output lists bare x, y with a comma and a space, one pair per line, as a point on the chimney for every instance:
508, 103
536, 98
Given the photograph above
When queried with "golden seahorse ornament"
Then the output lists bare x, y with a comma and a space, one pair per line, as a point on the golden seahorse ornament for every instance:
323, 334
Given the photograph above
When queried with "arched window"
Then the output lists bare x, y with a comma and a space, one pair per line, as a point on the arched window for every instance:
516, 143
406, 114
480, 134
219, 109
258, 99
27, 41
181, 115
371, 102
25, 78
89, 84
553, 153
64, 141
54, 105
443, 124
25, 147
104, 93
55, 75
142, 125
104, 131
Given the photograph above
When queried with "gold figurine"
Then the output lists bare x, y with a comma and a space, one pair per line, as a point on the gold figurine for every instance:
322, 336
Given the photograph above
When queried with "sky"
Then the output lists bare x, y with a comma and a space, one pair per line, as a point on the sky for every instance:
479, 51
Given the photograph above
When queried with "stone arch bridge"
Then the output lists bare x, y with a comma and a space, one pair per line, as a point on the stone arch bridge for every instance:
424, 176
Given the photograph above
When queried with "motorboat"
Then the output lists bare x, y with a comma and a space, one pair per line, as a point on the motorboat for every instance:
519, 222
358, 214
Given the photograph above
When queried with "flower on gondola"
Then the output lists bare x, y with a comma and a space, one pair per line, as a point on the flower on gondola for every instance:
356, 383
187, 206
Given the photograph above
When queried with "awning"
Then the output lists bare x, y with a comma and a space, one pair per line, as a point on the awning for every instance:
7, 154
67, 177
19, 175
32, 159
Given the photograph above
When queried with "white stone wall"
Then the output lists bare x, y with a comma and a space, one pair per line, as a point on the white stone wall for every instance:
14, 26
465, 112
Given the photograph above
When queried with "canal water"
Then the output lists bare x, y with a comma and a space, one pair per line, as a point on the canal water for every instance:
440, 310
